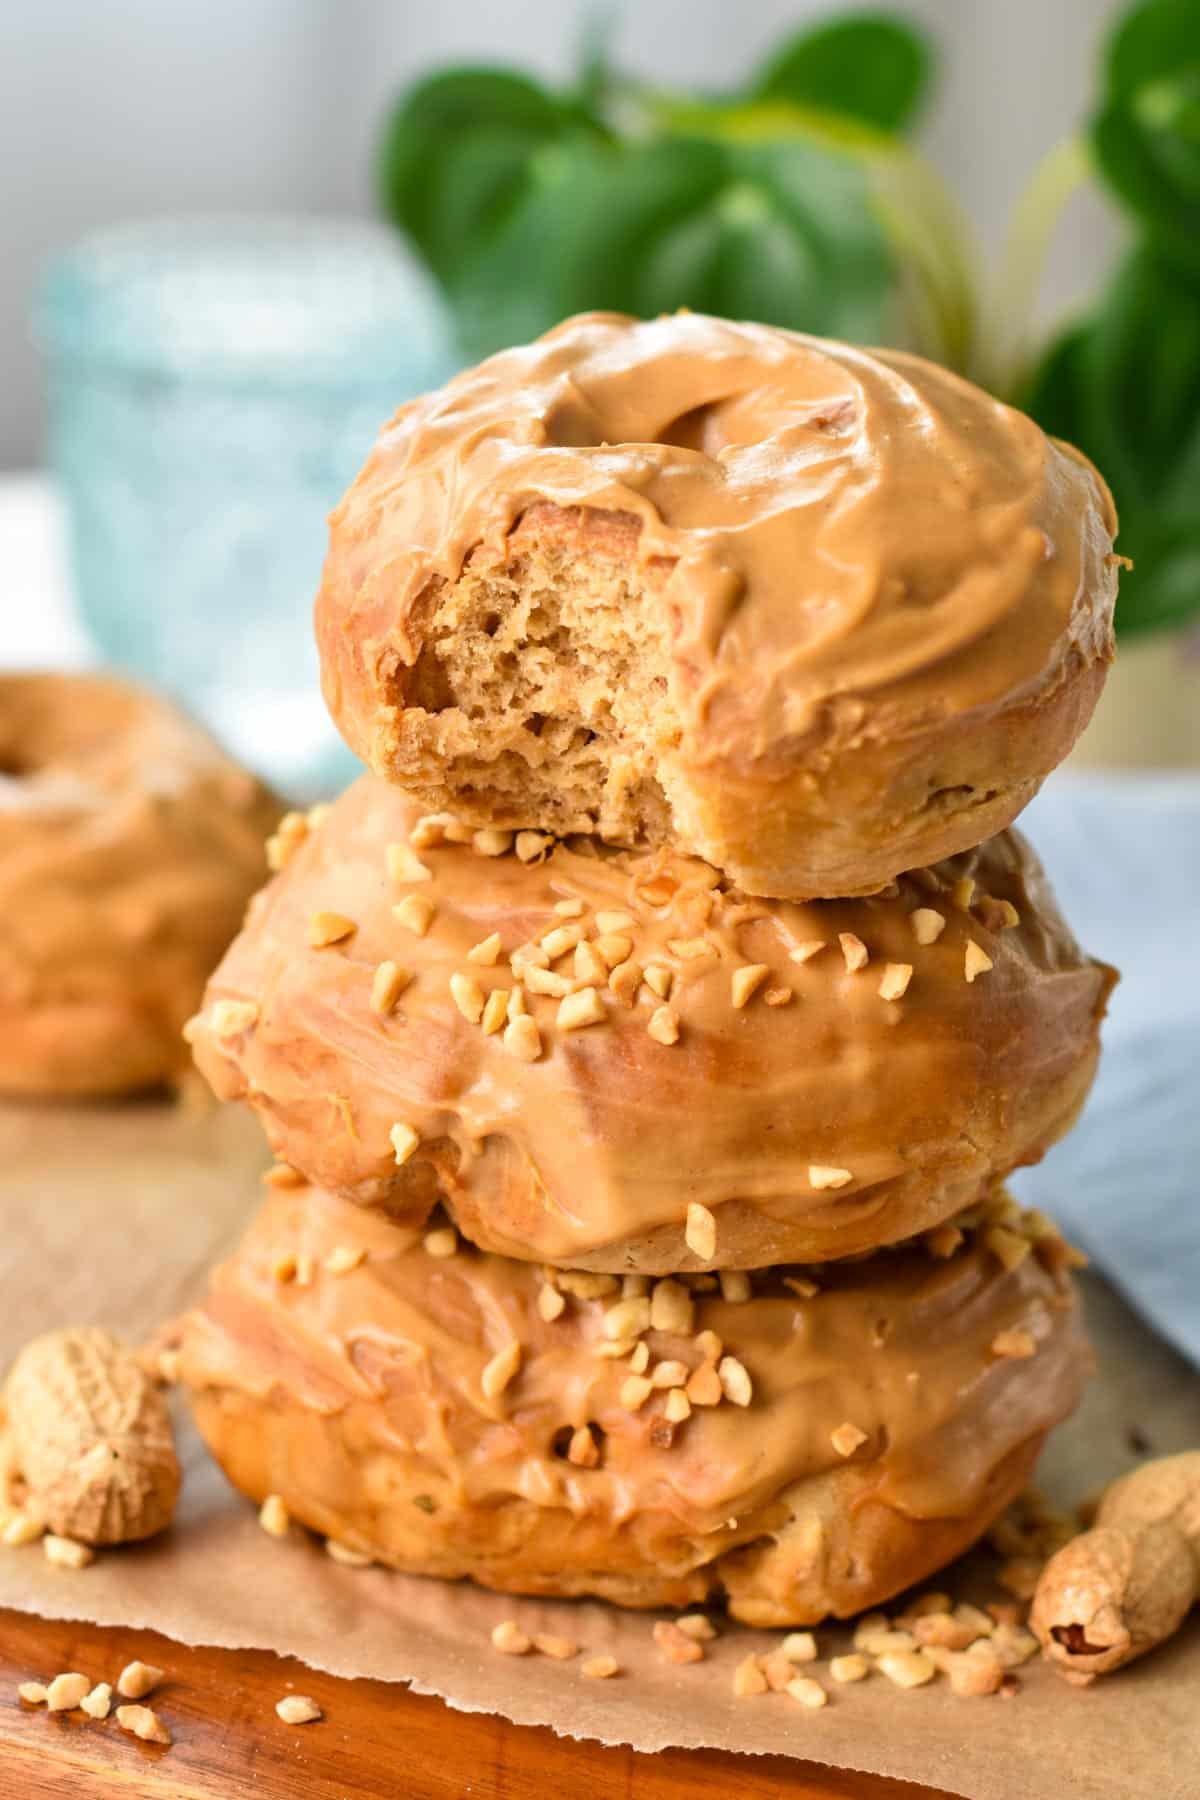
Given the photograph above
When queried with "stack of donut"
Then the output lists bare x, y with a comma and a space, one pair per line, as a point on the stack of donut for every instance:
646, 1039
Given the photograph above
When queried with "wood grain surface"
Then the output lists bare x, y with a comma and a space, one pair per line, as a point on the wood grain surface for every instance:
377, 1740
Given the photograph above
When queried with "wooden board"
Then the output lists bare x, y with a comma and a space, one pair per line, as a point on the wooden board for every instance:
377, 1740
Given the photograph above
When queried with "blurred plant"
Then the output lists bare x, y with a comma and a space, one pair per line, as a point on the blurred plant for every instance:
1123, 382
798, 200
794, 200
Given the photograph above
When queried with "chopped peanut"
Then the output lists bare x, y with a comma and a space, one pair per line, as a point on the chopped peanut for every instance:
275, 1520
325, 928
404, 1140
808, 1692
852, 1667
820, 1175
403, 864
487, 951
847, 1439
387, 984
700, 1232
501, 1369
298, 1709
600, 1668
137, 1679
748, 1678
510, 1639
1018, 1344
674, 1645
414, 913
854, 951
894, 982
907, 1668
441, 1243
735, 1382
746, 982
581, 1009
927, 925
144, 1723
976, 961
522, 1038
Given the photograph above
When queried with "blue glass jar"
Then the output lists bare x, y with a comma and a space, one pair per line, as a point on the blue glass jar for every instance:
213, 387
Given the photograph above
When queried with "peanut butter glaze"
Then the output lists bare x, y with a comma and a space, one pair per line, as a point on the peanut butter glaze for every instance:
861, 543
129, 845
383, 1369
592, 1154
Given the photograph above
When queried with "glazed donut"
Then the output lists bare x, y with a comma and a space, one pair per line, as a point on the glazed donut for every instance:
851, 1429
129, 845
813, 1080
813, 613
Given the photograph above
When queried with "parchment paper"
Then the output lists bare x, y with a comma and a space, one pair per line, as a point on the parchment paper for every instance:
111, 1215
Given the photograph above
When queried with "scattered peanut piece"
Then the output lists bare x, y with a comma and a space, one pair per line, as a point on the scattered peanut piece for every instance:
635, 1391
403, 864
98, 1703
19, 1529
66, 1553
851, 1667
697, 1626
735, 1285
659, 979
275, 1520
907, 1668
144, 1723
799, 1647
963, 891
808, 1692
347, 1555
600, 1668
677, 1407
674, 1645
560, 1648
387, 984
137, 1679
467, 996
508, 1638
66, 1691
748, 1678
1018, 1344
298, 1709
32, 1693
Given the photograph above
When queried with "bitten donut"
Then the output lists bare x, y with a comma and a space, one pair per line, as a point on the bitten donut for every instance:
129, 845
799, 1442
617, 1061
813, 613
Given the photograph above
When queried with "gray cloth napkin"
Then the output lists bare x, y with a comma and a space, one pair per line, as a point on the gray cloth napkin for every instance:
1123, 852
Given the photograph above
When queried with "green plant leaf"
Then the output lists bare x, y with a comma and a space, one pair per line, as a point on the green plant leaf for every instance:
458, 157
870, 66
778, 232
1125, 387
1146, 134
